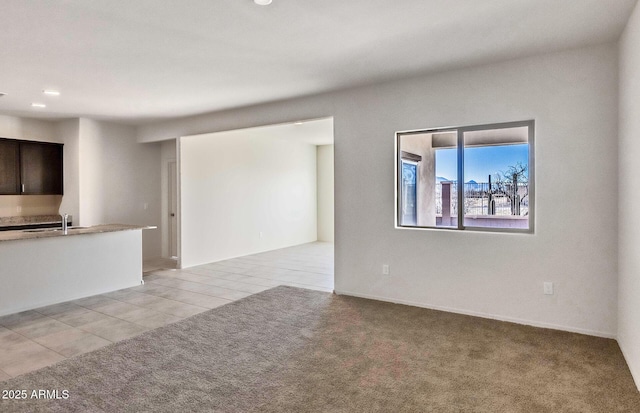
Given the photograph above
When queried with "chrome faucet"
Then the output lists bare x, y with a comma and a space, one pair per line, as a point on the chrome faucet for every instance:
65, 221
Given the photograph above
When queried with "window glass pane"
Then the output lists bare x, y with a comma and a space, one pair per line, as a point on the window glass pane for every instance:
447, 185
427, 175
408, 201
496, 178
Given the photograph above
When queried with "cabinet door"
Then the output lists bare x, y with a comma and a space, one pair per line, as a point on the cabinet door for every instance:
9, 170
41, 168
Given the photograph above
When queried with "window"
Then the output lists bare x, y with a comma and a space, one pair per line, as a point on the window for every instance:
473, 177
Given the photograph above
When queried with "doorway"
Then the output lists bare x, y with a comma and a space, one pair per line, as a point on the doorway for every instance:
255, 190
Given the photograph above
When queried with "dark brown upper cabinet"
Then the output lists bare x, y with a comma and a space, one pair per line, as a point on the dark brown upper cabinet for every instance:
41, 168
9, 167
37, 168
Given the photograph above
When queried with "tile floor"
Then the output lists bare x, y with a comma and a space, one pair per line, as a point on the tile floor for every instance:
37, 338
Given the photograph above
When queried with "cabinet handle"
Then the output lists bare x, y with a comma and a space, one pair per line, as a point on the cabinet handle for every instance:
23, 188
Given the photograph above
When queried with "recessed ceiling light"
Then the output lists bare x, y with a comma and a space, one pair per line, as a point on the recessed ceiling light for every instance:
297, 123
38, 105
262, 2
51, 92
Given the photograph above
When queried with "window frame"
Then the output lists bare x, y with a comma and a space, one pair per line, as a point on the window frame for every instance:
460, 130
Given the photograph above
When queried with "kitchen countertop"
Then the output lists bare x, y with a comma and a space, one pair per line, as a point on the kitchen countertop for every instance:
51, 233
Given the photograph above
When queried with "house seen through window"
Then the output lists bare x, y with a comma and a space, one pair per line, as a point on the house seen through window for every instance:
476, 177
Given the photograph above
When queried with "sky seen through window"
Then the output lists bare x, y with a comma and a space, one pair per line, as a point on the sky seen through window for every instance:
480, 162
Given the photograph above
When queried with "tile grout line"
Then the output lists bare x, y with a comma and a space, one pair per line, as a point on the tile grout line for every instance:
146, 308
196, 292
184, 302
33, 341
86, 331
229, 288
276, 267
72, 327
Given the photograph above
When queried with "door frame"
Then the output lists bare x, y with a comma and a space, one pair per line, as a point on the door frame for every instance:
172, 208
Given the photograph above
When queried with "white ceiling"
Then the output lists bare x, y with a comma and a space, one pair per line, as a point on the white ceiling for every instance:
140, 60
313, 132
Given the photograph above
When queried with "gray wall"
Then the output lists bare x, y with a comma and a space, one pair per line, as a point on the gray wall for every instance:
572, 96
629, 218
119, 180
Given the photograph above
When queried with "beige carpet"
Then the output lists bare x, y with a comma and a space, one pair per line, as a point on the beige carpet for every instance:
294, 350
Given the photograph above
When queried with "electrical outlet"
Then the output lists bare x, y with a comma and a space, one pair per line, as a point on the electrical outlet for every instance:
18, 209
261, 234
385, 269
548, 288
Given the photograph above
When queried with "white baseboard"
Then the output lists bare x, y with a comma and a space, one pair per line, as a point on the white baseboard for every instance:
483, 315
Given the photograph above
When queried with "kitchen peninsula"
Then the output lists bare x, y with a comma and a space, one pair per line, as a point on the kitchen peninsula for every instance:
40, 267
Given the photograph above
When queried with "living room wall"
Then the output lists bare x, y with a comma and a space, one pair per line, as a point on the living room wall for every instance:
629, 219
242, 192
571, 95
